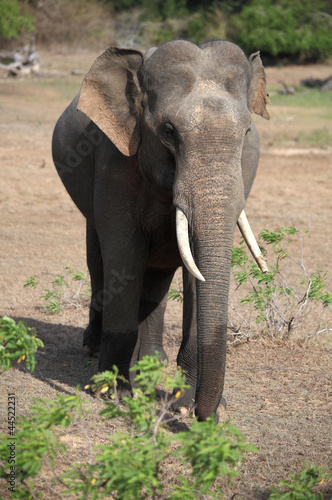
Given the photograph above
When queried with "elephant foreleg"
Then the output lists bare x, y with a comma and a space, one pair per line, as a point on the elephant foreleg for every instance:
123, 277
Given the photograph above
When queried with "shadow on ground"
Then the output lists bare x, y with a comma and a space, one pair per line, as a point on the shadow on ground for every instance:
62, 360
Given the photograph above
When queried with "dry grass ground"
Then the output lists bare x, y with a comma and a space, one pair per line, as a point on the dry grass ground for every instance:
279, 395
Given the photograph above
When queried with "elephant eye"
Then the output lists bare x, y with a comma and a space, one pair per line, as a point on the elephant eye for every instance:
168, 134
169, 129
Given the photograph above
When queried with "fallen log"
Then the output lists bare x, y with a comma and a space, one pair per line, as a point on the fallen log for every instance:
22, 62
323, 84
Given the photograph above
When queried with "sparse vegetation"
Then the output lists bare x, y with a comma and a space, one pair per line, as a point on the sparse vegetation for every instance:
303, 98
281, 300
321, 138
177, 292
66, 290
301, 486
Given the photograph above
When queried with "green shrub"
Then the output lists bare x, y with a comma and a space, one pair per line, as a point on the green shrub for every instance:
34, 441
165, 9
130, 465
301, 486
298, 29
12, 22
213, 451
19, 342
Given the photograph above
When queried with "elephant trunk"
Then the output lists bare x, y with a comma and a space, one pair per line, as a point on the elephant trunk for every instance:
212, 209
213, 253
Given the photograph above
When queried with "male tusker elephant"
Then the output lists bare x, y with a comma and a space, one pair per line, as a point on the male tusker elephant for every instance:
159, 153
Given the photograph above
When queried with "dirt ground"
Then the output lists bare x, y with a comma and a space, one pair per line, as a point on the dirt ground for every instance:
278, 395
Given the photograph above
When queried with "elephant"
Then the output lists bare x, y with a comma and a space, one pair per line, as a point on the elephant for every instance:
159, 152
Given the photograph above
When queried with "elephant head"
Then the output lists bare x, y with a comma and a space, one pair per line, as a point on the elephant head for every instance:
184, 112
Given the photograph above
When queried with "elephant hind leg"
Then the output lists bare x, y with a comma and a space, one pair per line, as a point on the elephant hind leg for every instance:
92, 334
152, 308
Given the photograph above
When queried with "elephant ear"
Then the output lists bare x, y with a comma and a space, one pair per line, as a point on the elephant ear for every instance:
258, 96
110, 96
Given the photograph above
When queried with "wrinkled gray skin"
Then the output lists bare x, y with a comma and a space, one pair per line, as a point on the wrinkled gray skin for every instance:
174, 129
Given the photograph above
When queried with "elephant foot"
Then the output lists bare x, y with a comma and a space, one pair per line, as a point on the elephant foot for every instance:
185, 403
91, 352
92, 341
221, 409
123, 390
202, 413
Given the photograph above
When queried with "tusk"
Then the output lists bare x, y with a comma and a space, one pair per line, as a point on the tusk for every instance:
182, 235
251, 242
